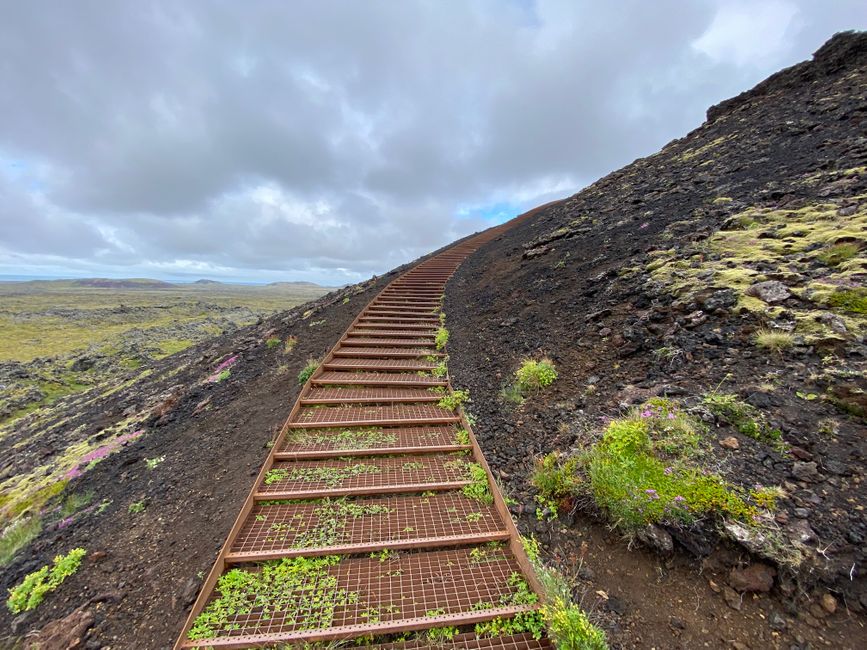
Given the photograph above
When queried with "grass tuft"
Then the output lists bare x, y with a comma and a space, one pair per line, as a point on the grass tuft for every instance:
774, 340
307, 371
18, 536
535, 375
555, 480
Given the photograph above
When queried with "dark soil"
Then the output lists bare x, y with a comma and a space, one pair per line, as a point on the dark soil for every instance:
556, 286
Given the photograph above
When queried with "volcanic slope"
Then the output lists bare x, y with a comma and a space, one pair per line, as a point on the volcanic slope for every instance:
705, 310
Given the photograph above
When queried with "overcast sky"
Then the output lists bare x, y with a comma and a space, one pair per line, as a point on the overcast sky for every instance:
327, 141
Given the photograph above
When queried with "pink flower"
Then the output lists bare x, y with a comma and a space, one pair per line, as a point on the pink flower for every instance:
667, 471
651, 493
647, 413
643, 226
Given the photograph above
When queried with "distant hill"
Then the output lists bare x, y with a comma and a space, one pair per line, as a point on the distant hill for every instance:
124, 283
206, 281
296, 285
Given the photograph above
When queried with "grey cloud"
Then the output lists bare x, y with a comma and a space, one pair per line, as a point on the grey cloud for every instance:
156, 121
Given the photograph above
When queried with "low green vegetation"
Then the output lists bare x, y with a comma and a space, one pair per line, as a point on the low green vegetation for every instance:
442, 338
817, 251
329, 476
530, 622
272, 343
289, 345
556, 480
137, 507
773, 340
478, 488
534, 375
452, 401
362, 438
307, 371
441, 369
32, 590
300, 589
849, 300
744, 417
17, 536
646, 470
462, 437
837, 254
153, 462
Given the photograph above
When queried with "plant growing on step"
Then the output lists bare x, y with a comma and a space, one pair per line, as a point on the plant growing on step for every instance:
441, 369
441, 338
362, 438
462, 437
556, 480
31, 591
478, 488
453, 401
307, 371
300, 589
773, 340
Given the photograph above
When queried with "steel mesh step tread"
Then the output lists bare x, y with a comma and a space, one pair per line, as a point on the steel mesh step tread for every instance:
391, 333
337, 378
388, 342
470, 641
380, 364
364, 525
374, 475
386, 352
342, 441
310, 416
414, 590
319, 395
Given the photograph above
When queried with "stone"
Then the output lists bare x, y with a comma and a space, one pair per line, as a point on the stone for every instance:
829, 603
730, 443
770, 292
656, 537
805, 471
835, 322
757, 577
722, 299
64, 633
733, 599
777, 622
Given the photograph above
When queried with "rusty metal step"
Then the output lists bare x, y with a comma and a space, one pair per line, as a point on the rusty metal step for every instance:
469, 641
360, 596
365, 416
334, 442
416, 328
390, 332
319, 395
413, 365
348, 378
388, 310
362, 341
342, 526
383, 352
313, 479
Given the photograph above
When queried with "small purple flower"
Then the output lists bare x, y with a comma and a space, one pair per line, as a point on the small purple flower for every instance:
647, 413
679, 499
643, 226
671, 416
668, 471
651, 493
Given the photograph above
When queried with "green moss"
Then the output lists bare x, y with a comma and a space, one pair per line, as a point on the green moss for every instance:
362, 438
171, 346
837, 254
851, 300
32, 590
